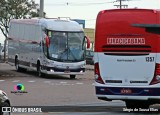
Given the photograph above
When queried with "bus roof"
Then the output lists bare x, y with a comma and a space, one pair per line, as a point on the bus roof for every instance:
51, 24
129, 9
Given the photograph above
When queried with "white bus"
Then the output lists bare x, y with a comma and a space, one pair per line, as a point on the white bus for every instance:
127, 56
48, 46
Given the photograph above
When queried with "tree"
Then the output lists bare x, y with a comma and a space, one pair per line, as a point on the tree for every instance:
15, 9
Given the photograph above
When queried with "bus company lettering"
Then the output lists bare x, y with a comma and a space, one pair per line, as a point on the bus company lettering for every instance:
126, 41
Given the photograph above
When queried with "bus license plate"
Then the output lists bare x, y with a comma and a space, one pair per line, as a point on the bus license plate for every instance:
126, 91
66, 71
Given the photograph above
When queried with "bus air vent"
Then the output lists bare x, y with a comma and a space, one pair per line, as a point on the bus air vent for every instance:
113, 81
138, 81
126, 50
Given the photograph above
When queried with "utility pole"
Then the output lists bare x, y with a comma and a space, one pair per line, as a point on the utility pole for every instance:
120, 4
41, 8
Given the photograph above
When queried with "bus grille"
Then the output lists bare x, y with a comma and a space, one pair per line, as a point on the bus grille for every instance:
138, 81
113, 81
126, 50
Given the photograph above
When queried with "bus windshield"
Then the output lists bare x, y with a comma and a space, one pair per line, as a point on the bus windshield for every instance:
66, 46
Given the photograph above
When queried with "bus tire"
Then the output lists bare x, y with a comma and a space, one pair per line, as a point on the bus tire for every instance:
137, 104
19, 69
39, 72
130, 104
72, 76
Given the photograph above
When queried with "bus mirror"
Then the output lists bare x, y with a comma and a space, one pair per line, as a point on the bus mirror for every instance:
47, 41
88, 42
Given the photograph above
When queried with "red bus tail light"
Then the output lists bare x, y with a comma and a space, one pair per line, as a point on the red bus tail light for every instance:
97, 74
156, 78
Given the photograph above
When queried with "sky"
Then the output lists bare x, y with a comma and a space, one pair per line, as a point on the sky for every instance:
88, 9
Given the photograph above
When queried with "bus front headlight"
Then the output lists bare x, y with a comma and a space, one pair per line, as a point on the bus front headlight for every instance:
51, 70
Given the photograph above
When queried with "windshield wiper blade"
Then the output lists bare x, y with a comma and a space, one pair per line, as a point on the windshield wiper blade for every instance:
67, 51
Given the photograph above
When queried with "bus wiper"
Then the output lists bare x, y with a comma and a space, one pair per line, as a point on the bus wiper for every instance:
69, 51
72, 54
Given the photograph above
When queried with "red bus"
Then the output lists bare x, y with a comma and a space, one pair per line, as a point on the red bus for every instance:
127, 56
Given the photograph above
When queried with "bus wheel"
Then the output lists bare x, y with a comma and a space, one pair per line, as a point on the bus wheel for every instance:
130, 104
72, 76
39, 72
19, 69
137, 104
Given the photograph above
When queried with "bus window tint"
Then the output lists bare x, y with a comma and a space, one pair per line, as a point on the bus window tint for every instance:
57, 43
66, 46
75, 41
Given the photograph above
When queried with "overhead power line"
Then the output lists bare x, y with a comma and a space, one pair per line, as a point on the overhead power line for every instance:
88, 3
120, 3
79, 4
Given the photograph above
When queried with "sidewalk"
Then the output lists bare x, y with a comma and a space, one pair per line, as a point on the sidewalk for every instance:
5, 66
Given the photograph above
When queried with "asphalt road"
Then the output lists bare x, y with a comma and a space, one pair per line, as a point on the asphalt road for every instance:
58, 94
48, 91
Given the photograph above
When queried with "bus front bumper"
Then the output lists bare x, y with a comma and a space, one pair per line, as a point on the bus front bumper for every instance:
77, 71
63, 73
